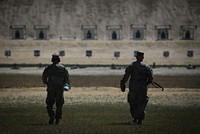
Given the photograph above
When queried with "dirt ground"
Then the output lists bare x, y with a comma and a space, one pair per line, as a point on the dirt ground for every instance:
27, 80
78, 95
180, 90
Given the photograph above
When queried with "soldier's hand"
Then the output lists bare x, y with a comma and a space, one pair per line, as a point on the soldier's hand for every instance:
123, 87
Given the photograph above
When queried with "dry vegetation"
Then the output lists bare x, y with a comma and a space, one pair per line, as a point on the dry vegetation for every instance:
25, 89
77, 95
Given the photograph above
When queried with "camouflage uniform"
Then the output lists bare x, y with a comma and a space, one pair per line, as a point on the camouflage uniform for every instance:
141, 75
55, 76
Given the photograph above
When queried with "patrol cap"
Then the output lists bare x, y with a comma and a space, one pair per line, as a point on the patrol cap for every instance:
139, 53
55, 58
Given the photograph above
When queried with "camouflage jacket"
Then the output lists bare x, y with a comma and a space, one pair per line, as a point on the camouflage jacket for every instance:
140, 76
55, 74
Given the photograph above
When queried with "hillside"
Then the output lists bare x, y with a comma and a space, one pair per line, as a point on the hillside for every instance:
65, 17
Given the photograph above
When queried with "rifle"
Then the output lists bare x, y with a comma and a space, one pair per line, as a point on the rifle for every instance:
157, 85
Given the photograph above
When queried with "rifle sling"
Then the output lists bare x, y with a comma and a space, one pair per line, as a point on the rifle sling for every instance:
157, 85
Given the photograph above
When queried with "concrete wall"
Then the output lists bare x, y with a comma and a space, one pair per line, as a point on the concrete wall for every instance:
22, 52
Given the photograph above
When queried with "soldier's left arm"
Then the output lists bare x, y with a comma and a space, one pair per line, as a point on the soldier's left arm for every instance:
67, 80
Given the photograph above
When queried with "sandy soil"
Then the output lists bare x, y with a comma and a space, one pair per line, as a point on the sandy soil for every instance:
171, 96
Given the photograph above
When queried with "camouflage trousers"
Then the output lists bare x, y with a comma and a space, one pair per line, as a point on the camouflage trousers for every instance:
55, 96
138, 102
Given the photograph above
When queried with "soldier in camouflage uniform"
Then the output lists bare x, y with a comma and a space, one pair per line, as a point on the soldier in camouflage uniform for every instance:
140, 76
55, 76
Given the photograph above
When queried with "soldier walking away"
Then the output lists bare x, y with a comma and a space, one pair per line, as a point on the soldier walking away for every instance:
55, 76
140, 76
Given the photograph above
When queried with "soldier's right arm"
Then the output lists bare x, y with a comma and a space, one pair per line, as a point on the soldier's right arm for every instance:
126, 75
45, 76
125, 78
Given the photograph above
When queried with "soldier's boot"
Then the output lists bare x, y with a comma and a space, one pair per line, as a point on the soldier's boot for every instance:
134, 120
139, 122
57, 121
51, 114
58, 114
51, 120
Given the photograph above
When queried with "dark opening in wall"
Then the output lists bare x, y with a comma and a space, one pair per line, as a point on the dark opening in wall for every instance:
17, 34
41, 35
190, 53
138, 32
114, 32
7, 53
89, 32
62, 53
41, 32
89, 53
163, 32
36, 53
187, 35
117, 54
114, 35
188, 32
166, 54
17, 31
89, 35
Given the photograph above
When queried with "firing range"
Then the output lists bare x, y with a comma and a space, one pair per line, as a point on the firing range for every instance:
93, 32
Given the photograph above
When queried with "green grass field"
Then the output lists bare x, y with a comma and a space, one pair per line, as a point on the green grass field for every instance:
99, 119
98, 110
